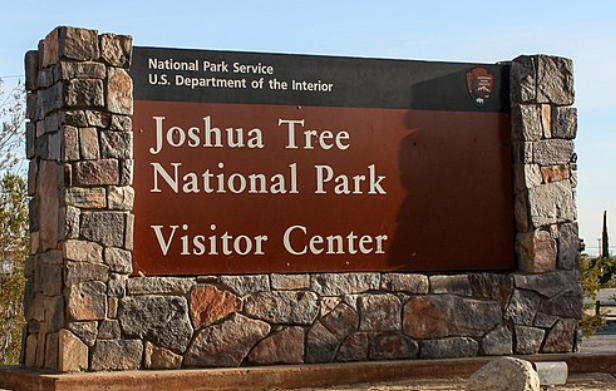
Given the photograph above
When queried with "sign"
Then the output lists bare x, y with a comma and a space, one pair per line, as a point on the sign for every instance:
259, 163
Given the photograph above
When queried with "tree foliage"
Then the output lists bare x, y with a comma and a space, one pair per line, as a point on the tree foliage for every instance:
593, 272
13, 116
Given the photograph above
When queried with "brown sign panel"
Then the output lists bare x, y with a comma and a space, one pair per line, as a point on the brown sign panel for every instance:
227, 187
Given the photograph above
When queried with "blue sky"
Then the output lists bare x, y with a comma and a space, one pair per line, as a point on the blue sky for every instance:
447, 30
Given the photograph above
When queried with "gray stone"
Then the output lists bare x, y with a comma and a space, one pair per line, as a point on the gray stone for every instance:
492, 286
523, 79
163, 320
528, 339
553, 152
290, 282
547, 284
49, 100
555, 80
84, 93
527, 176
243, 285
380, 312
354, 348
78, 272
86, 331
126, 172
285, 307
568, 246
89, 146
565, 123
119, 91
523, 152
545, 320
159, 285
405, 282
86, 197
74, 118
116, 287
116, 355
109, 329
522, 307
69, 223
97, 119
121, 122
561, 338
116, 50
328, 304
106, 228
505, 374
87, 301
498, 342
283, 347
449, 348
225, 344
79, 70
567, 305
440, 316
121, 198
454, 285
321, 344
118, 260
391, 345
526, 122
343, 283
117, 145
77, 43
96, 172
129, 232
536, 251
341, 321
70, 144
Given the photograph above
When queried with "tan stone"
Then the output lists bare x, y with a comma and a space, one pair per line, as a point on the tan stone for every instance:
51, 351
119, 91
284, 347
50, 49
87, 301
88, 143
290, 282
73, 353
48, 204
537, 252
86, 197
209, 304
97, 172
78, 272
112, 307
83, 251
116, 49
546, 120
121, 198
555, 173
157, 357
31, 345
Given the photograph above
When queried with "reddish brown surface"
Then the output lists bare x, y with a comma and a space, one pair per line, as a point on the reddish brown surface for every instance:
448, 181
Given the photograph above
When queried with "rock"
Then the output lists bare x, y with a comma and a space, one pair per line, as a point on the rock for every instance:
527, 176
290, 282
283, 347
208, 304
109, 329
225, 344
96, 172
159, 285
31, 345
88, 144
321, 344
567, 305
379, 312
565, 124
285, 307
568, 246
528, 339
403, 282
126, 173
78, 272
121, 122
70, 145
121, 198
454, 285
547, 284
555, 173
498, 342
449, 348
54, 313
342, 321
441, 316
48, 204
551, 203
87, 301
243, 285
106, 228
338, 284
390, 345
522, 307
354, 348
520, 206
116, 286
119, 91
553, 152
555, 80
73, 353
492, 286
84, 93
51, 351
561, 338
526, 122
67, 70
157, 357
118, 260
118, 145
536, 252
77, 43
69, 223
117, 355
162, 320
328, 304
112, 307
505, 374
523, 79
86, 331
87, 198
48, 278
544, 320
31, 61
116, 50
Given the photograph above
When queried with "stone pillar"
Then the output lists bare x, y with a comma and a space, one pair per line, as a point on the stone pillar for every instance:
79, 142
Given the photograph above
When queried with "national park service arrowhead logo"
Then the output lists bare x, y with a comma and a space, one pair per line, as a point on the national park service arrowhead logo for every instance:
480, 82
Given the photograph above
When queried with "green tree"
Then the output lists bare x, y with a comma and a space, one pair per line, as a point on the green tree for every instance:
13, 116
593, 271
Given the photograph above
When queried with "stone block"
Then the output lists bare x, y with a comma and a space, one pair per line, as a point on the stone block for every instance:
562, 337
568, 246
84, 93
492, 286
121, 198
87, 301
73, 355
32, 106
88, 143
555, 173
498, 342
454, 284
243, 285
116, 287
405, 282
553, 152
284, 307
77, 43
283, 347
97, 172
338, 284
565, 123
117, 355
449, 348
97, 118
116, 50
526, 122
69, 223
157, 357
109, 329
342, 321
159, 285
379, 312
521, 212
208, 304
129, 231
119, 91
321, 344
551, 203
536, 252
31, 346
121, 122
522, 307
70, 144
528, 339
567, 305
51, 351
225, 344
106, 228
164, 320
117, 145
48, 205
86, 331
555, 80
126, 172
82, 251
527, 176
546, 120
290, 282
78, 272
354, 348
118, 260
112, 307
31, 61
30, 140
68, 70
86, 197
524, 79
547, 284
48, 279
391, 345
328, 304
522, 152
